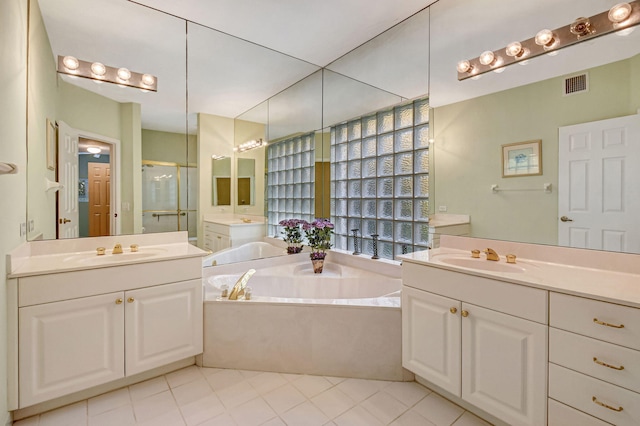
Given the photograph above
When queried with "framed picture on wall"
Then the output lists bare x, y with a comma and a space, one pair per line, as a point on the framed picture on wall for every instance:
522, 159
51, 145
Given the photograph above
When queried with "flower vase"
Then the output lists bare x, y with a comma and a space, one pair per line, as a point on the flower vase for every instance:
318, 264
294, 249
317, 259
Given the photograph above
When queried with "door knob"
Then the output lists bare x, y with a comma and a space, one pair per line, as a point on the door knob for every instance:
566, 219
465, 314
119, 301
131, 300
453, 310
64, 220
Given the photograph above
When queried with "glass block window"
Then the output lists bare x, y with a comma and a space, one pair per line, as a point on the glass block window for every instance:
380, 180
290, 181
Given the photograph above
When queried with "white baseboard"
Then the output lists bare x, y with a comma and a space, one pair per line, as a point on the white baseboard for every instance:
8, 420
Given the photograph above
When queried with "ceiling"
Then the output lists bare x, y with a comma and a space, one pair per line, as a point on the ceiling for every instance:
242, 52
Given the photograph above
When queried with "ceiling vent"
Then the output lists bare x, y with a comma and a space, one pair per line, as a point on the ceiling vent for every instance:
576, 84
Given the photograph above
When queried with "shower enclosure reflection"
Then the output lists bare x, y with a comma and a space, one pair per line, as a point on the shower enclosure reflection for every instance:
168, 202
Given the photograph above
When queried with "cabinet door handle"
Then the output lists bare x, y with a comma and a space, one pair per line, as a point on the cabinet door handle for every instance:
604, 364
602, 404
597, 321
464, 313
131, 300
119, 301
453, 310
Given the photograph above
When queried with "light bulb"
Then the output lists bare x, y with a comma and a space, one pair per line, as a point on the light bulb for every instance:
93, 150
464, 66
148, 79
124, 74
71, 63
487, 58
544, 38
98, 69
620, 12
514, 49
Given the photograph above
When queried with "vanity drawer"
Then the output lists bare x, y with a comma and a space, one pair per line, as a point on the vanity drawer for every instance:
601, 320
563, 415
589, 356
583, 393
513, 299
216, 228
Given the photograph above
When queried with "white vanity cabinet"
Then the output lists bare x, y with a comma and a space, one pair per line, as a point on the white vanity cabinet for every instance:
69, 346
216, 236
594, 360
220, 235
482, 340
80, 329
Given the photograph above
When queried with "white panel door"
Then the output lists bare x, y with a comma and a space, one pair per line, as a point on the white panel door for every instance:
504, 365
431, 337
68, 214
69, 346
164, 324
598, 194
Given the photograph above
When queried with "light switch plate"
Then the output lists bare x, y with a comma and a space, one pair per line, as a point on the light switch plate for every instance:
442, 208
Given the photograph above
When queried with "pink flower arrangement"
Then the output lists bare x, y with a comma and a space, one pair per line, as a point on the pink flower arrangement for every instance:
318, 235
292, 234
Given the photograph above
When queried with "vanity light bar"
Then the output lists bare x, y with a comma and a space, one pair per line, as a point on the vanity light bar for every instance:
250, 145
99, 72
620, 17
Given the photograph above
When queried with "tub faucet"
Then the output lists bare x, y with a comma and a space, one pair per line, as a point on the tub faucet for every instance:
117, 249
491, 254
238, 288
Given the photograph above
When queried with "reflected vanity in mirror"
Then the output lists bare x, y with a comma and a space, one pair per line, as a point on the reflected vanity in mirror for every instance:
221, 181
245, 186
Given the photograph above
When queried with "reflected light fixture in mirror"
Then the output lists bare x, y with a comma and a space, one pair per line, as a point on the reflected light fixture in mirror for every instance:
97, 71
621, 17
252, 144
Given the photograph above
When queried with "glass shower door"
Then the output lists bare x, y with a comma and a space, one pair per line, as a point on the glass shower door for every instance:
160, 197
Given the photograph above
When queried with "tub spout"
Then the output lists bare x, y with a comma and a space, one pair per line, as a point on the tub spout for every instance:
238, 288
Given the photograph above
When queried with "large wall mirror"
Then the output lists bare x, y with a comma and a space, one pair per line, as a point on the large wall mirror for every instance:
126, 124
286, 99
473, 119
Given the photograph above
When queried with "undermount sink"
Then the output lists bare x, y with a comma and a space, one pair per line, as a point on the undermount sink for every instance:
91, 258
480, 264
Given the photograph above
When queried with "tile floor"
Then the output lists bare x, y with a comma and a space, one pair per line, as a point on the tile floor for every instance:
215, 397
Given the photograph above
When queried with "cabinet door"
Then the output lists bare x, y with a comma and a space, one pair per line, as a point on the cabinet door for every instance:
431, 337
163, 324
504, 365
69, 346
220, 242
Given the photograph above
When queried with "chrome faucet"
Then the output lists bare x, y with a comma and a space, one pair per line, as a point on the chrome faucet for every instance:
117, 249
491, 254
238, 288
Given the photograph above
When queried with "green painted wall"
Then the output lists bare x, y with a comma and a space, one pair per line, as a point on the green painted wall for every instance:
467, 149
169, 147
13, 149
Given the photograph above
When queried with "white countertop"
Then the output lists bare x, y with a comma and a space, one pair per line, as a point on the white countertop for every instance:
55, 256
607, 285
235, 219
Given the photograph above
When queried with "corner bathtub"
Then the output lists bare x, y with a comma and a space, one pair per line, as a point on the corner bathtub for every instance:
344, 322
243, 253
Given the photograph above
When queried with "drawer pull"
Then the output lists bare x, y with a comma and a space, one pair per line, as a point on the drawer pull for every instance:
602, 404
604, 364
597, 321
